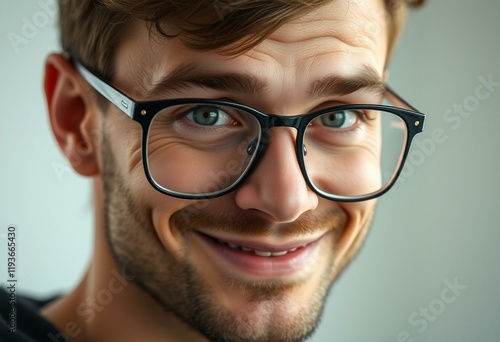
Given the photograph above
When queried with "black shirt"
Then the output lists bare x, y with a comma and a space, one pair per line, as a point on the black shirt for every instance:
21, 322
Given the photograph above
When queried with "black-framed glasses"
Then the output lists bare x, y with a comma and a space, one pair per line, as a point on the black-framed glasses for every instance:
204, 148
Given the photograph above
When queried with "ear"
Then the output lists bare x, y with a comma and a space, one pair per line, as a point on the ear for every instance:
73, 114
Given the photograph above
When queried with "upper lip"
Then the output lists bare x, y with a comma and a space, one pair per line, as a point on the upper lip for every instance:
264, 243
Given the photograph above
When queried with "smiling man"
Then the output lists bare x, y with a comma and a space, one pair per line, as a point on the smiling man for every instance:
236, 150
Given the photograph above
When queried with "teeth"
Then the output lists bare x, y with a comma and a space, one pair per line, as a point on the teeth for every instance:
259, 253
263, 254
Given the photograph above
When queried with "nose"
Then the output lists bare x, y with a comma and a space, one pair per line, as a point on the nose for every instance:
277, 188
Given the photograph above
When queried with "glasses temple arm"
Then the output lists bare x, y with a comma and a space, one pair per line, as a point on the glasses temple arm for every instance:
397, 100
120, 100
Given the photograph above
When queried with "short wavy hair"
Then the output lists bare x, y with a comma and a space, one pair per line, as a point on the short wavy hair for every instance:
91, 30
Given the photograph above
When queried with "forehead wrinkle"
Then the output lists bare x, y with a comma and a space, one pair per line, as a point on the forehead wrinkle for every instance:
345, 80
326, 42
322, 34
362, 24
332, 19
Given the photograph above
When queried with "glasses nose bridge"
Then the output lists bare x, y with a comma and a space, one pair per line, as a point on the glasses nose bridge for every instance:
280, 121
284, 121
299, 122
290, 122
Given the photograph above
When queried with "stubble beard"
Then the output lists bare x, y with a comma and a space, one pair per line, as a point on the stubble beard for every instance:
177, 285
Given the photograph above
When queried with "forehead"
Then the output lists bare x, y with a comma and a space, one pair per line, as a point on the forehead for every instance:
340, 38
354, 22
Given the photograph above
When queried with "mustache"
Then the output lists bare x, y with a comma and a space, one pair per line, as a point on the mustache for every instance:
247, 224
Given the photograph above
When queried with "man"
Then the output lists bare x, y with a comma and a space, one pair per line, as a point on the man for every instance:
236, 150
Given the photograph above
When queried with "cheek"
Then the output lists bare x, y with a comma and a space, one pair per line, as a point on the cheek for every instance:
349, 169
161, 210
359, 211
359, 218
125, 137
185, 157
174, 218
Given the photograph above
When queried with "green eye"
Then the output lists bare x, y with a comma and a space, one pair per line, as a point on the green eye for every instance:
344, 119
208, 116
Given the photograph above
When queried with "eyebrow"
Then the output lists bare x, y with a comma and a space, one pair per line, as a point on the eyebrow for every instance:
191, 75
188, 75
366, 79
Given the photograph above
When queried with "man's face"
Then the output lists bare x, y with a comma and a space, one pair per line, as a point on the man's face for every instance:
209, 261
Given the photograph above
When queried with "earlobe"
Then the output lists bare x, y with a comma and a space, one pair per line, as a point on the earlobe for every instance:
72, 114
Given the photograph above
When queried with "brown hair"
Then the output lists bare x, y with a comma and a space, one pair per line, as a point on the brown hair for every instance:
91, 29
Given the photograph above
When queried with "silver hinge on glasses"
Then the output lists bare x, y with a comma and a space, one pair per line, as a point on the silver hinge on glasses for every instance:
116, 97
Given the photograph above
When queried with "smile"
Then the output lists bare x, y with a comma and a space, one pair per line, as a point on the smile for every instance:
266, 254
251, 259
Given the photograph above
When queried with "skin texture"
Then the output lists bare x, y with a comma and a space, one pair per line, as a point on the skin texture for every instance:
170, 282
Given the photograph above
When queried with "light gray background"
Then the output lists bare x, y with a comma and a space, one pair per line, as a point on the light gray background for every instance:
440, 223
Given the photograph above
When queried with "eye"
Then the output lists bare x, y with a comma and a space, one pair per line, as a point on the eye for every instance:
208, 116
343, 119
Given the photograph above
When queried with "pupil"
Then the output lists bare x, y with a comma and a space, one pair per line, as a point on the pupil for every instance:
333, 120
205, 116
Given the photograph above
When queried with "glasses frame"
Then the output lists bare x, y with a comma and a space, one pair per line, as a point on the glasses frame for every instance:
143, 112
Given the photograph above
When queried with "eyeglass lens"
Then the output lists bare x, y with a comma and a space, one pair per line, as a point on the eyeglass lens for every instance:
206, 148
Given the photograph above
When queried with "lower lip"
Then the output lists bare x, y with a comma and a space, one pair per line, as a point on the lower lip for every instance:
250, 264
